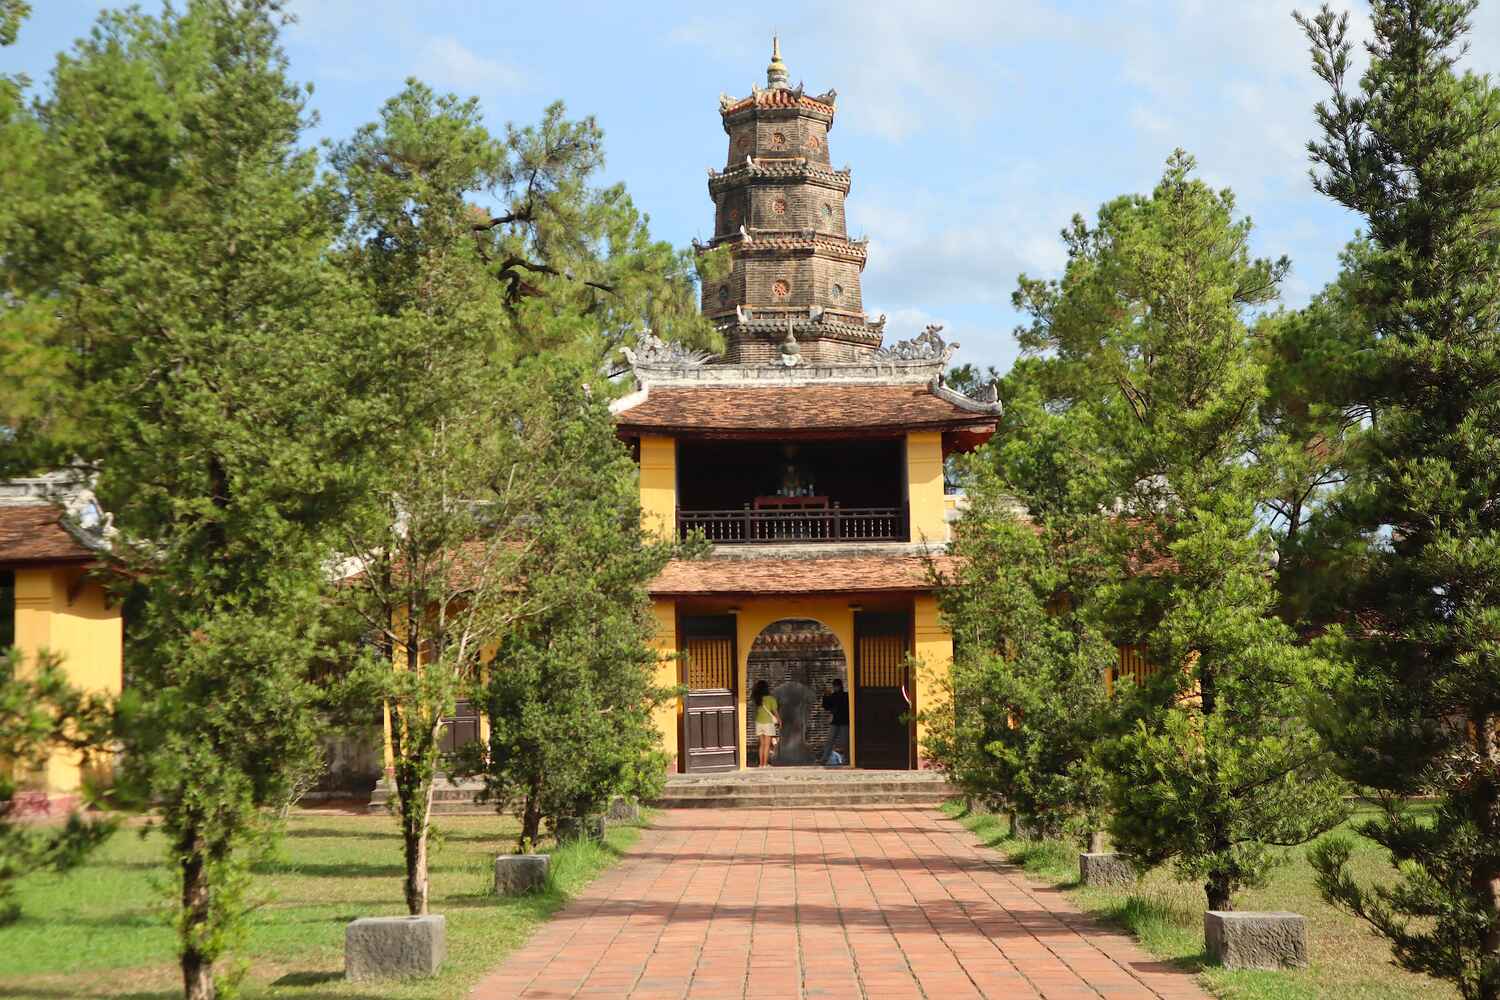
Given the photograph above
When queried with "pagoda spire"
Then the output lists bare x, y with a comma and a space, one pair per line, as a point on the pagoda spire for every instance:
777, 76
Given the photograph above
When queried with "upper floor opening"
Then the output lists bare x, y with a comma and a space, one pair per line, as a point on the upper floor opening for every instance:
746, 492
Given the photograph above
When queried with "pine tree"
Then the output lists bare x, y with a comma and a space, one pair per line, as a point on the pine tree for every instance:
1030, 699
1149, 330
1415, 150
572, 689
182, 243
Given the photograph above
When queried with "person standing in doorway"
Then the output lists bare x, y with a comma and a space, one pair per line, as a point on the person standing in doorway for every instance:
836, 704
767, 719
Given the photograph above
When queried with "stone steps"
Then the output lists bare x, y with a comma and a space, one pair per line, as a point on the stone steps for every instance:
808, 800
803, 789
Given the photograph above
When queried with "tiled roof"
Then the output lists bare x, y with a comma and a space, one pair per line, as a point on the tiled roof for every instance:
837, 574
776, 97
809, 408
34, 533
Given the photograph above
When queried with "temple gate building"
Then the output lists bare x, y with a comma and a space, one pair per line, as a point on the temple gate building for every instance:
810, 454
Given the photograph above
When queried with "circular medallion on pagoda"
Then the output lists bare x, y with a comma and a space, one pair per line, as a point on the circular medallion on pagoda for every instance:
814, 142
780, 289
779, 206
778, 140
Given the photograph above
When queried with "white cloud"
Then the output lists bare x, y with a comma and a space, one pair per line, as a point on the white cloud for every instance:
447, 62
903, 72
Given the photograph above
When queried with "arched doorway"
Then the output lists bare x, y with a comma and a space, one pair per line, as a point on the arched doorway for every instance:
799, 659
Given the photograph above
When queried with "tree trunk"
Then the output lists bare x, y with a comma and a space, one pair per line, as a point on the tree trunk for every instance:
1217, 890
416, 871
197, 968
531, 815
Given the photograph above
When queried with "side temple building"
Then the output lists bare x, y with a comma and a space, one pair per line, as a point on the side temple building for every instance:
810, 454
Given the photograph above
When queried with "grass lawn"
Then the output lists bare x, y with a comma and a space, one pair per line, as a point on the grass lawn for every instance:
101, 930
1347, 961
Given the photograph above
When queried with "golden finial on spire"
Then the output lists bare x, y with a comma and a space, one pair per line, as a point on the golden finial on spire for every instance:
776, 74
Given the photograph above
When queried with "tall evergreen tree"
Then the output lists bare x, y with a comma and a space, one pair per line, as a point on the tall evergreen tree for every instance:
1031, 698
1415, 150
1149, 330
181, 244
572, 689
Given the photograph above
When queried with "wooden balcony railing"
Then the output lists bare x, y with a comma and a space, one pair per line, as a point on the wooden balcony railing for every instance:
769, 527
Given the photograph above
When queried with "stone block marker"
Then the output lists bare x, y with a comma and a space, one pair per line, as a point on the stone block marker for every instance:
574, 828
1105, 869
520, 873
623, 810
395, 947
1256, 940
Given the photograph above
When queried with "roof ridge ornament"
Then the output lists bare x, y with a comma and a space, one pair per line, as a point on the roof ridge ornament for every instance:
791, 351
652, 351
777, 77
925, 346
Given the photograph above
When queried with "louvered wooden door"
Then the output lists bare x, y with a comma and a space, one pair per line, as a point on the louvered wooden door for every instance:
710, 719
882, 731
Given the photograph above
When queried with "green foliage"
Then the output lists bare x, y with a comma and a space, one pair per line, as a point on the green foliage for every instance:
41, 713
571, 692
1029, 699
181, 242
1415, 150
1153, 364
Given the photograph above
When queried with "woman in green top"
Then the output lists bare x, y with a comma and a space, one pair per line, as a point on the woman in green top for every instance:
767, 718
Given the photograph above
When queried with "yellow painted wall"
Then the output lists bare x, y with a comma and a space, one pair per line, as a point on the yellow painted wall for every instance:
659, 485
59, 610
668, 716
933, 651
924, 489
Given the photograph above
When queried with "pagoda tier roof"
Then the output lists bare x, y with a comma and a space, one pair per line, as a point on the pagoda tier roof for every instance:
780, 99
778, 170
807, 324
840, 574
748, 242
828, 409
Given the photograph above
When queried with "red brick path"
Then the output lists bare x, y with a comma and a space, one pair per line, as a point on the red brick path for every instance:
877, 903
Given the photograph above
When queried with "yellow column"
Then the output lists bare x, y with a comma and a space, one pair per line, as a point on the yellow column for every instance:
933, 652
924, 486
659, 485
668, 716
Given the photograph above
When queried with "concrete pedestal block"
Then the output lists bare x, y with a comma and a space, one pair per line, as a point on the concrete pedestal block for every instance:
623, 810
395, 947
576, 828
521, 873
1105, 869
1256, 940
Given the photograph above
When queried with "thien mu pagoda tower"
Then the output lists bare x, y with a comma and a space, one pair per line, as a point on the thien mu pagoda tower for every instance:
811, 456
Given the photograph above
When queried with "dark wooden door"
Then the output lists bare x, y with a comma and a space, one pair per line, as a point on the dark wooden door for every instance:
882, 729
459, 729
710, 736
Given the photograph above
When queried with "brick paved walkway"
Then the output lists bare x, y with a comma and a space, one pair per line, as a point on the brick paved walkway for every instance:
877, 903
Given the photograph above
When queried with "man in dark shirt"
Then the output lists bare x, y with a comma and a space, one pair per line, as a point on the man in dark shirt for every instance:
836, 704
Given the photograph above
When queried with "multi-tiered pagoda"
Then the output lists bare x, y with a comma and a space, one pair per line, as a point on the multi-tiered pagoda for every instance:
811, 455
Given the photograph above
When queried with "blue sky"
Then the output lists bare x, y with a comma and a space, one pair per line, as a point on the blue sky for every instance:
975, 130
